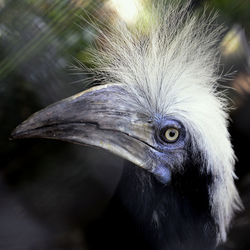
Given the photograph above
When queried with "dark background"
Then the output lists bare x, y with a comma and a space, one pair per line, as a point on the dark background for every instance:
50, 190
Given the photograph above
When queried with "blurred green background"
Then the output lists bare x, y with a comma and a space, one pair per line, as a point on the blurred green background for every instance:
49, 190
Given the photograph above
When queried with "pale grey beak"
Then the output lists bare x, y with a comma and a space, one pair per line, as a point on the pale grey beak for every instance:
103, 116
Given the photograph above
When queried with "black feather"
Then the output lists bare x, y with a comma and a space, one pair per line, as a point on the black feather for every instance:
145, 214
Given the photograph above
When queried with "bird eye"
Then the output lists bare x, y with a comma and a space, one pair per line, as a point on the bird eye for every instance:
170, 135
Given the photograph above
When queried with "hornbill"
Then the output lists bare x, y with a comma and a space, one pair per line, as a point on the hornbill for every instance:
158, 107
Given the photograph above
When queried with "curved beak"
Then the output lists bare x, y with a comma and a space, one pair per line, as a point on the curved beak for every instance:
103, 116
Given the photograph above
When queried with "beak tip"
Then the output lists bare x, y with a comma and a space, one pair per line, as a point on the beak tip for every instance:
19, 132
14, 134
11, 137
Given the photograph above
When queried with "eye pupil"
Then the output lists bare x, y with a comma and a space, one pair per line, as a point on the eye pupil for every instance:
172, 133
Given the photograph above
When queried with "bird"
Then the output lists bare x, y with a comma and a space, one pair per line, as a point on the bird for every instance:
158, 106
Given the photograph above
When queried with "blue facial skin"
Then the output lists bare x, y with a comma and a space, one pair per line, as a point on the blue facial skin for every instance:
168, 154
162, 174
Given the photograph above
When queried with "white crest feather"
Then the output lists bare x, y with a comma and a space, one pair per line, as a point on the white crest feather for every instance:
169, 65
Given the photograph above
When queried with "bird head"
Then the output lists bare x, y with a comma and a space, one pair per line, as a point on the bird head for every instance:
157, 107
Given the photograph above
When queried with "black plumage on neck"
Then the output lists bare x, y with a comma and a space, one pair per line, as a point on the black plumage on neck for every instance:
145, 214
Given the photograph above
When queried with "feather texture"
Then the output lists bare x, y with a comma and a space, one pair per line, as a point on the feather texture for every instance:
168, 62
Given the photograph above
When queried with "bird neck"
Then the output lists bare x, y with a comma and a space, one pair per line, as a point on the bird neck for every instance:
174, 216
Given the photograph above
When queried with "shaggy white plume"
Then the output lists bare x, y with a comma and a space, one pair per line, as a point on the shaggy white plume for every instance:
169, 64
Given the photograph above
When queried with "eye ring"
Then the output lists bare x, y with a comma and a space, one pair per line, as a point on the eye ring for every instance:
170, 134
